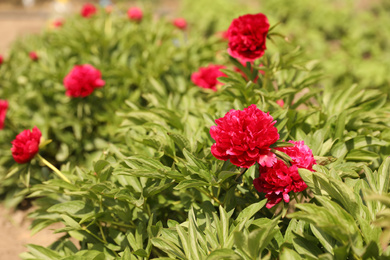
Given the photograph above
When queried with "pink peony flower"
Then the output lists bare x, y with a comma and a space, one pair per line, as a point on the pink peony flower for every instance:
245, 137
33, 56
180, 23
135, 14
301, 154
206, 77
279, 180
3, 112
58, 23
280, 102
26, 145
88, 10
82, 80
247, 35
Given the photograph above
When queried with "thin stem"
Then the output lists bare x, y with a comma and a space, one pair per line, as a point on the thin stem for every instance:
101, 231
95, 236
296, 197
241, 173
51, 166
211, 196
121, 224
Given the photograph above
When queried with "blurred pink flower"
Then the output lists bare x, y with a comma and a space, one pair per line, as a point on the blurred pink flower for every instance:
3, 112
135, 14
88, 10
180, 23
206, 77
82, 80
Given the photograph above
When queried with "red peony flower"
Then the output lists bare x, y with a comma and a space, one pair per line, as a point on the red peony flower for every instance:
58, 23
1, 59
33, 56
206, 77
180, 23
135, 14
245, 137
247, 35
26, 145
3, 112
88, 10
279, 180
82, 81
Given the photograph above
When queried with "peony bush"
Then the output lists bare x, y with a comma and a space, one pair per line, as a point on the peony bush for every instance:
143, 148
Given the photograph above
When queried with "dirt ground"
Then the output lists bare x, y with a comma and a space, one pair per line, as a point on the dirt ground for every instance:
15, 234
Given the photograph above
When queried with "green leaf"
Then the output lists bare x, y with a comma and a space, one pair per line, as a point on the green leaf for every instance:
384, 176
74, 208
42, 253
251, 210
223, 253
190, 184
288, 254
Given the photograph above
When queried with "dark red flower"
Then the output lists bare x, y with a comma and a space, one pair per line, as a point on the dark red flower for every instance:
247, 35
26, 145
88, 10
3, 112
279, 180
244, 137
206, 77
1, 59
135, 14
82, 80
33, 56
180, 23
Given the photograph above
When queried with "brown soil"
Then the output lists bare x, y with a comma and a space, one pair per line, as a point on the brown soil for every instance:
15, 234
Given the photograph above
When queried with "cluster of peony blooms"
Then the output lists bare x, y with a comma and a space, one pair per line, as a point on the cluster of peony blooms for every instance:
244, 137
247, 36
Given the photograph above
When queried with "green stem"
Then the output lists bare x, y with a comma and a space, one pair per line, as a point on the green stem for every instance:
241, 173
51, 166
121, 224
95, 236
296, 197
101, 231
211, 196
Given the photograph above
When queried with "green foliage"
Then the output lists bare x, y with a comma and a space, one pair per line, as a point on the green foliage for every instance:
143, 182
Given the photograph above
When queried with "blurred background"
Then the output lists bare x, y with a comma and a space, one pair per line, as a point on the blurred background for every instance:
23, 17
